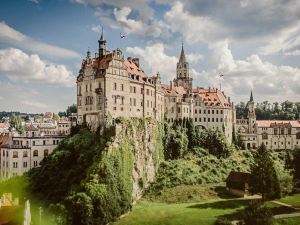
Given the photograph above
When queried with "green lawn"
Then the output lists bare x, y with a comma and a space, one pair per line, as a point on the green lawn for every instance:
18, 187
293, 200
289, 221
204, 213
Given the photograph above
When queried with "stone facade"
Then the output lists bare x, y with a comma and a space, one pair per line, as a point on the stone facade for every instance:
109, 86
20, 153
275, 134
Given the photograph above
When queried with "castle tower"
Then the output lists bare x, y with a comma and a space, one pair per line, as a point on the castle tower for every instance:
182, 72
251, 115
102, 45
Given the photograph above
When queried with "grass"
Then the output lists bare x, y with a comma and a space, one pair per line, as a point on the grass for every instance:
288, 221
293, 200
189, 193
204, 213
18, 186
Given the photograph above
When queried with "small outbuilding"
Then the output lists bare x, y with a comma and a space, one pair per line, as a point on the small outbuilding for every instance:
239, 183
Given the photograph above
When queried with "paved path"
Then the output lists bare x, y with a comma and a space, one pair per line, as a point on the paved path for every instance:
282, 216
286, 205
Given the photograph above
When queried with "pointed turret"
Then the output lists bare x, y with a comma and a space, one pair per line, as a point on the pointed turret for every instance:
182, 55
251, 97
102, 45
183, 76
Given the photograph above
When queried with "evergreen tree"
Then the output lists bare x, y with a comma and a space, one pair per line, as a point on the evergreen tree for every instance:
265, 178
16, 124
256, 214
295, 164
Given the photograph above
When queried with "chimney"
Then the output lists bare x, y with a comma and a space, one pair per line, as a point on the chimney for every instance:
208, 89
136, 61
171, 85
129, 58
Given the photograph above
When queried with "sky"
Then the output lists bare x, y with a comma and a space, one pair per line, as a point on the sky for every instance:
255, 44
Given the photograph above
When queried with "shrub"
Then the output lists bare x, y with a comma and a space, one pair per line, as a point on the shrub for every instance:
257, 214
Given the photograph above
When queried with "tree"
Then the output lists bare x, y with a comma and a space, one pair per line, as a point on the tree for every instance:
295, 165
256, 214
71, 109
175, 142
265, 178
214, 140
16, 124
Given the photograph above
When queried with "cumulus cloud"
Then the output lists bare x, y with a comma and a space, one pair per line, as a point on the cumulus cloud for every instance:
267, 79
142, 6
9, 35
17, 65
156, 60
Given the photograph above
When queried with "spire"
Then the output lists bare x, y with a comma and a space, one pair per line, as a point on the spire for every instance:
102, 45
101, 37
251, 96
182, 55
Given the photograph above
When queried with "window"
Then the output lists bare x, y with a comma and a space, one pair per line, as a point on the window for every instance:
298, 135
15, 164
122, 87
53, 142
275, 131
33, 143
44, 142
289, 131
264, 135
24, 164
25, 154
15, 154
35, 163
282, 131
115, 86
35, 153
46, 153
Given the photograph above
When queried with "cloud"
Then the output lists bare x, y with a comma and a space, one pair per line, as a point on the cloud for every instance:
193, 28
34, 1
17, 65
154, 58
194, 57
9, 35
1, 98
35, 104
141, 6
293, 53
278, 82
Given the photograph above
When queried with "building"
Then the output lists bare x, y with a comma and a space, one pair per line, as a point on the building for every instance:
20, 153
274, 134
109, 86
239, 183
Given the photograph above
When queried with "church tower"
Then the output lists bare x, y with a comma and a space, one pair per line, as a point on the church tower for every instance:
251, 115
182, 72
102, 45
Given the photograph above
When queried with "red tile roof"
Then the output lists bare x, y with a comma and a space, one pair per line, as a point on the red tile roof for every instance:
31, 127
269, 123
174, 91
4, 139
132, 68
213, 98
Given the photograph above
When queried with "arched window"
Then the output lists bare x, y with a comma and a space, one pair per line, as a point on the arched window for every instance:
46, 153
264, 135
35, 153
298, 135
15, 154
25, 154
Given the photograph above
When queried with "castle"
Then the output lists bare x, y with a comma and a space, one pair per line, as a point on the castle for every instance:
109, 86
274, 134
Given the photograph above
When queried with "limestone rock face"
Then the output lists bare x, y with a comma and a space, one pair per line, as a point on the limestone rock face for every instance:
144, 138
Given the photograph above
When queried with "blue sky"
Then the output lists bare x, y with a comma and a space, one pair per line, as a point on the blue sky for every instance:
255, 44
